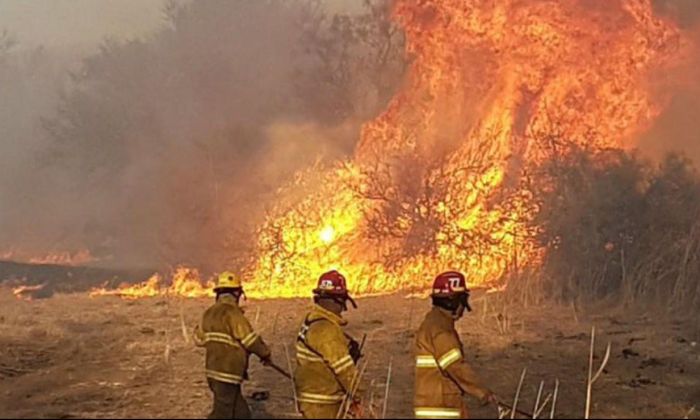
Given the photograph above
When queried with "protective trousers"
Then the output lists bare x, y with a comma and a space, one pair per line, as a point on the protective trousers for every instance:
319, 411
228, 401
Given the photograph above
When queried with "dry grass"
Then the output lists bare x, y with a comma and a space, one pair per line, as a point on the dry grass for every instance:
107, 358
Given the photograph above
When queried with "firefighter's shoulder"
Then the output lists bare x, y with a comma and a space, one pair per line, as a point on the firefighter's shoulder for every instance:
224, 311
437, 323
324, 329
215, 311
435, 319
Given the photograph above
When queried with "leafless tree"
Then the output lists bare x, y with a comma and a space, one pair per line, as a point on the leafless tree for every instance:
357, 59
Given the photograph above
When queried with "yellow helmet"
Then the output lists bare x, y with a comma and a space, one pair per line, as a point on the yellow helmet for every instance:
228, 280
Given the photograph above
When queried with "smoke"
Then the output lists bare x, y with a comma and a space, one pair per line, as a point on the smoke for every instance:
168, 149
676, 129
686, 13
29, 87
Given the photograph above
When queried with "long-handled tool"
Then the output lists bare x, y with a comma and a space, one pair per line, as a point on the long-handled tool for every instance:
278, 369
354, 384
269, 363
500, 404
517, 410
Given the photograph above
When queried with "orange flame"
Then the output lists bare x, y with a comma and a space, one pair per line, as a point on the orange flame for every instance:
436, 182
185, 283
25, 292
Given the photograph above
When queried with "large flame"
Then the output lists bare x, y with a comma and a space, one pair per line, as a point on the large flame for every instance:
437, 181
440, 179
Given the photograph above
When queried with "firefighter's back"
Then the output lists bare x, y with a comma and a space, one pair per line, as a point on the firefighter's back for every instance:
435, 396
226, 360
314, 377
326, 360
324, 367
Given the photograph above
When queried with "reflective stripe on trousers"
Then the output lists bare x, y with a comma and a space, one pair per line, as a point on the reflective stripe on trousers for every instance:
224, 377
437, 413
310, 398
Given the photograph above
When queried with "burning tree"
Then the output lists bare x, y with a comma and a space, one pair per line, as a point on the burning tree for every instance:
505, 114
443, 177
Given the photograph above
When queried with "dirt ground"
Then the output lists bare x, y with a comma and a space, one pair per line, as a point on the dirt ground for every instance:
72, 356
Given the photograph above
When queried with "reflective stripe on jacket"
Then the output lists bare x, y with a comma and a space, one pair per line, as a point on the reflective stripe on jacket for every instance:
229, 339
325, 368
439, 356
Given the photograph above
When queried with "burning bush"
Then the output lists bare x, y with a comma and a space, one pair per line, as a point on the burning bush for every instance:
445, 177
506, 141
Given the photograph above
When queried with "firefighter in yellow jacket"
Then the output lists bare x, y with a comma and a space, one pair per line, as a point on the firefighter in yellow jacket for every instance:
229, 340
326, 356
443, 376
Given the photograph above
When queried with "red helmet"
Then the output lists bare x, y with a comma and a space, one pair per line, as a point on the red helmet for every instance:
449, 284
332, 284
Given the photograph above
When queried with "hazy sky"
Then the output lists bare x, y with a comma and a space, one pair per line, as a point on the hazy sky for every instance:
85, 23
81, 23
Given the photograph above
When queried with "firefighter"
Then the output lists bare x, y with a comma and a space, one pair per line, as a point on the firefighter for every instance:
229, 340
443, 376
326, 356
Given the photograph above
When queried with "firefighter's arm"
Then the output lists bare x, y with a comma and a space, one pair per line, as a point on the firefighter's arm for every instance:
253, 343
198, 337
451, 361
333, 346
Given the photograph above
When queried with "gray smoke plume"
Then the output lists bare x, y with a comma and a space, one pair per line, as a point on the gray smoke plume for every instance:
167, 147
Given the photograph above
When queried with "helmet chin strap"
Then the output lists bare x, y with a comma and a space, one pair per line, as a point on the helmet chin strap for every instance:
239, 294
463, 301
456, 313
467, 306
343, 302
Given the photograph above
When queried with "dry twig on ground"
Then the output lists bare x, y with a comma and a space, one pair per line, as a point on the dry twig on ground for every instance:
591, 377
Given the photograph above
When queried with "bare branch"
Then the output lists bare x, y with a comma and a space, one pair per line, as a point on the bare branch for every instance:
517, 394
593, 378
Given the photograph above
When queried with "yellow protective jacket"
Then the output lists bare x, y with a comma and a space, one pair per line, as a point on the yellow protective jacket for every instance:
325, 369
229, 339
439, 357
